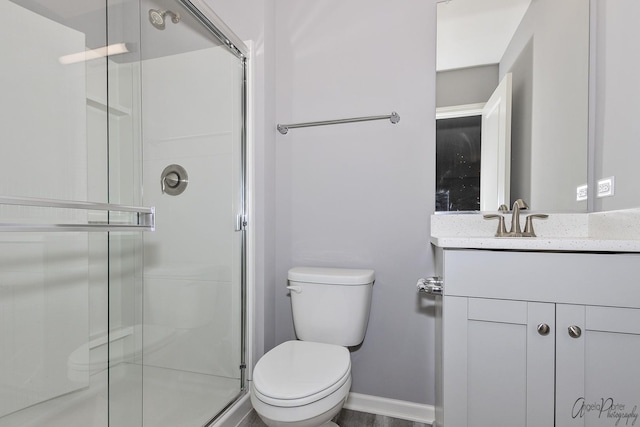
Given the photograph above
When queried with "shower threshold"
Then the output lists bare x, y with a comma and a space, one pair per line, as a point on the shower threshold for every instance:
168, 397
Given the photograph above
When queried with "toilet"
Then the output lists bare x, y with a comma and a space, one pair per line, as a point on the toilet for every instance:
304, 383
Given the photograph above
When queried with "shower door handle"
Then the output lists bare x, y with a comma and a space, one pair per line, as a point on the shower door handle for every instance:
241, 222
143, 218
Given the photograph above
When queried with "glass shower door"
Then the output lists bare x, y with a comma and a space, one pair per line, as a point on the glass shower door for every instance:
104, 111
70, 242
192, 127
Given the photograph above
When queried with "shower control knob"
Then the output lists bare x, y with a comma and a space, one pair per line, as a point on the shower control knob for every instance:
172, 179
543, 329
574, 331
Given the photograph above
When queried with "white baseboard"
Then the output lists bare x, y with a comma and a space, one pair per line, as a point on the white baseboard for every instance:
391, 408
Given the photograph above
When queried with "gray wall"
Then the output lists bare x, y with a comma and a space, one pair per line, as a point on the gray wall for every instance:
472, 85
360, 195
618, 102
356, 195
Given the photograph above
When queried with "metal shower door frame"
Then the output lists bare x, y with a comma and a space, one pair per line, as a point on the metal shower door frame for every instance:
210, 20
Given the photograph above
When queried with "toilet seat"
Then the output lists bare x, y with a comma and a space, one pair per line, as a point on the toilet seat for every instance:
297, 373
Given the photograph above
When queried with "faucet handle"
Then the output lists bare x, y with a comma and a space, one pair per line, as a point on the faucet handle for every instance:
528, 226
502, 229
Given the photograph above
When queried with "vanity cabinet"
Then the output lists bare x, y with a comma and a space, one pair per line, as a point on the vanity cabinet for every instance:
538, 339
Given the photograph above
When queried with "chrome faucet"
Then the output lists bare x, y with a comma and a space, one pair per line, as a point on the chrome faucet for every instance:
515, 230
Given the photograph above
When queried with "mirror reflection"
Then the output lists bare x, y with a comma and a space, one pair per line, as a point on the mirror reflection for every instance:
617, 129
544, 46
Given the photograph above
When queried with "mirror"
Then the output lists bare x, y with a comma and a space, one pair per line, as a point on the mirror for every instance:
617, 95
544, 44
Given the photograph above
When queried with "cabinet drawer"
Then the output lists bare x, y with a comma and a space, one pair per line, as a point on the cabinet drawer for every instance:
491, 310
617, 320
572, 278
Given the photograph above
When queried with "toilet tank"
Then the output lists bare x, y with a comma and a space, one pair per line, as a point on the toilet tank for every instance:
331, 305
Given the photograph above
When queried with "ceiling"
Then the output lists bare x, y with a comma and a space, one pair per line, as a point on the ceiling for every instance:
476, 32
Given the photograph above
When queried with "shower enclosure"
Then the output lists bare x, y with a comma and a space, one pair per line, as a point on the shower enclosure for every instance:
122, 213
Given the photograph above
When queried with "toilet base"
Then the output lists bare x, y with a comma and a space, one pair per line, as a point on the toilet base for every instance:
313, 422
321, 420
280, 424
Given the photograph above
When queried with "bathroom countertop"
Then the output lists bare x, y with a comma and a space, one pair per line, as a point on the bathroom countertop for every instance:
566, 244
614, 231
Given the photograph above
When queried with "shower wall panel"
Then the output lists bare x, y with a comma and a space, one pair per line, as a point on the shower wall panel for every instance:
192, 300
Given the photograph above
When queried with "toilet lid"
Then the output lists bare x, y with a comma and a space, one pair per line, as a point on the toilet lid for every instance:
301, 372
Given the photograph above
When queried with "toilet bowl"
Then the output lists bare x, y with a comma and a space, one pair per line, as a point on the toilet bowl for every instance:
300, 383
305, 383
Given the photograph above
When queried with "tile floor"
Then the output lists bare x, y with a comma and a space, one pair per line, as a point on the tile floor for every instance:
347, 418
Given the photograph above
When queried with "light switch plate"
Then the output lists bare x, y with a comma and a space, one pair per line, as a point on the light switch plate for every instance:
582, 193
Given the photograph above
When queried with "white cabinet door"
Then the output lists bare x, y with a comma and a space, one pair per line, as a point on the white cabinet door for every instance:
499, 370
494, 367
598, 374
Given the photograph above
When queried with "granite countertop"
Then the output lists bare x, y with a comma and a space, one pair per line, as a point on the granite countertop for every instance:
616, 231
571, 244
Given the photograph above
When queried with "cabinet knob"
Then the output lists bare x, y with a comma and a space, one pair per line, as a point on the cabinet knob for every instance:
543, 329
574, 331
